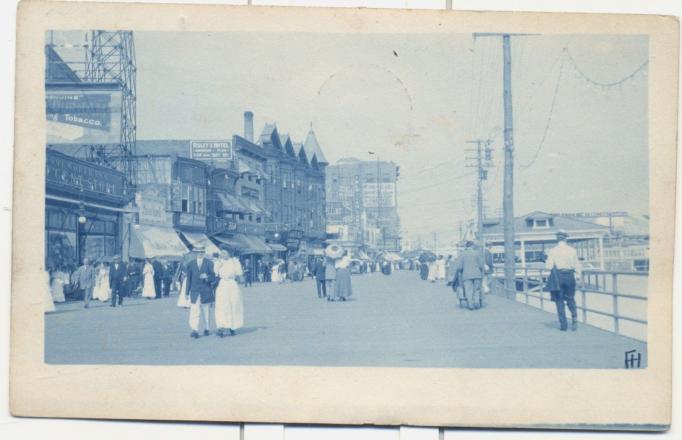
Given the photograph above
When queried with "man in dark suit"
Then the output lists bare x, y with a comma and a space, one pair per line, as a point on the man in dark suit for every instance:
158, 277
167, 278
319, 271
200, 279
118, 281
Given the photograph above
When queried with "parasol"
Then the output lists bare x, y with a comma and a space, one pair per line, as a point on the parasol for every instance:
334, 251
427, 257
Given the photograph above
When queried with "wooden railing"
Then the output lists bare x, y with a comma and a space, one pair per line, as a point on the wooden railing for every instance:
531, 284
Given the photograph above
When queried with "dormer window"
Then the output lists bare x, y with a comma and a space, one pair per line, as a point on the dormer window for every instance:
544, 223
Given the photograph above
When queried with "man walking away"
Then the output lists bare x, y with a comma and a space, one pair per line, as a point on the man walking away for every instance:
565, 259
158, 278
472, 265
167, 278
118, 278
247, 272
86, 278
319, 271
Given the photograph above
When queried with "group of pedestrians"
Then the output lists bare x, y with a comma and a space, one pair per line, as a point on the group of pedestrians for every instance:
212, 285
333, 278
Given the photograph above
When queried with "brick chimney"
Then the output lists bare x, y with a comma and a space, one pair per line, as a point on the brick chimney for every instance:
248, 126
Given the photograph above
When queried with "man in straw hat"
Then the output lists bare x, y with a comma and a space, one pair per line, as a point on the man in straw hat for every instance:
565, 259
118, 281
200, 278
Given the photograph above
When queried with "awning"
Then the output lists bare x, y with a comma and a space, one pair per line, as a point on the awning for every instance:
244, 244
197, 239
155, 241
277, 247
233, 204
233, 243
252, 205
256, 245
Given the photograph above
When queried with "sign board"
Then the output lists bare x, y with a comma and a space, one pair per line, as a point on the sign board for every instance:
196, 220
151, 205
83, 115
370, 195
83, 178
176, 196
84, 110
295, 233
211, 150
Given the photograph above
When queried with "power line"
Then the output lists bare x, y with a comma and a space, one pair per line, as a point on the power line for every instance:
549, 121
600, 83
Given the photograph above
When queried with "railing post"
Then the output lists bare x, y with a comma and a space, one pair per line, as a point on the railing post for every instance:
525, 283
542, 290
614, 282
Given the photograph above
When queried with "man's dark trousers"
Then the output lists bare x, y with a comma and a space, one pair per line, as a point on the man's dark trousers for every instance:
567, 294
321, 288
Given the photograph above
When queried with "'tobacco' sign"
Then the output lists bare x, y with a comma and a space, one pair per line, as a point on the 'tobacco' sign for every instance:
211, 150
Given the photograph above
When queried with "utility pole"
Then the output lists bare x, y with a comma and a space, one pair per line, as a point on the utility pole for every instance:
481, 160
508, 191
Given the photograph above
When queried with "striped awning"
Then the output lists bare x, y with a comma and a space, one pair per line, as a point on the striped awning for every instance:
233, 204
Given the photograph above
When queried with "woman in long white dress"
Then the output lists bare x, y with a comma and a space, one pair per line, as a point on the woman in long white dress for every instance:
432, 271
274, 274
49, 304
440, 268
229, 306
183, 296
102, 290
59, 278
148, 286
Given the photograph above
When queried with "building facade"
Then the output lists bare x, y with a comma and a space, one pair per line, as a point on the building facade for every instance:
362, 195
294, 191
535, 234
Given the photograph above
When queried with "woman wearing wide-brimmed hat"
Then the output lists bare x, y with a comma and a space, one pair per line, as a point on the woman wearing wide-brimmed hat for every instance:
343, 288
332, 253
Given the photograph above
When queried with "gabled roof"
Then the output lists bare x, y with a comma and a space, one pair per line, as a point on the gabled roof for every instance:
56, 69
523, 225
299, 149
270, 137
312, 146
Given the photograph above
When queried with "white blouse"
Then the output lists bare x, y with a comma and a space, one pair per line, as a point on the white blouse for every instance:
229, 269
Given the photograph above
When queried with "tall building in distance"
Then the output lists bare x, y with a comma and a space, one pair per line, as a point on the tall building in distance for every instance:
362, 204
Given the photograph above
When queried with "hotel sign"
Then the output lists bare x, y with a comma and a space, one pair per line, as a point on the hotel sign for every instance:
211, 150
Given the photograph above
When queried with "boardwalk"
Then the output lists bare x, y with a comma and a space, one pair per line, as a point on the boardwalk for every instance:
396, 321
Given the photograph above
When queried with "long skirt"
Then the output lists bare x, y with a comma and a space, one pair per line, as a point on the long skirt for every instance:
342, 287
183, 297
102, 291
148, 290
229, 307
58, 289
423, 271
49, 303
432, 272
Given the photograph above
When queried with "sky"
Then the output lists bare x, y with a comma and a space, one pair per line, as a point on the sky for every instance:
417, 100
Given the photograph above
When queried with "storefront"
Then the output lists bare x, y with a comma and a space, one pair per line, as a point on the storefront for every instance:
84, 203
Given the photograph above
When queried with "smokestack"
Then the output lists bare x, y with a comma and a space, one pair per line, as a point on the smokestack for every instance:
248, 126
